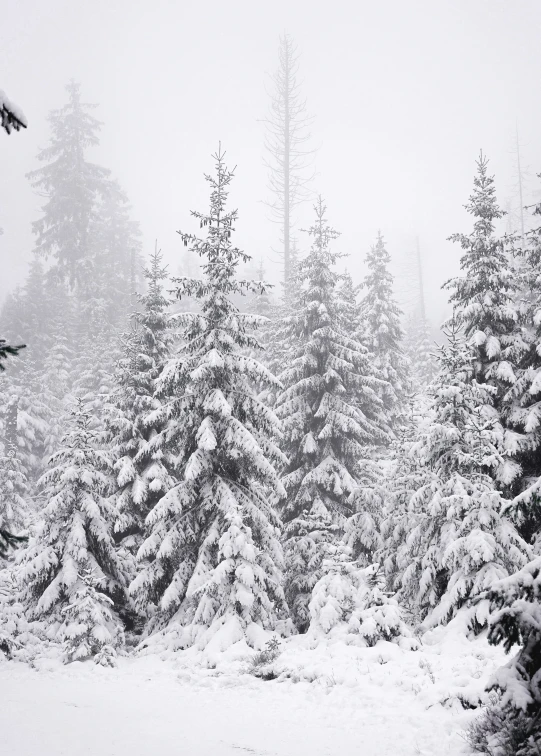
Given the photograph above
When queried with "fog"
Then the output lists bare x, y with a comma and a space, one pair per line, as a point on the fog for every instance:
403, 95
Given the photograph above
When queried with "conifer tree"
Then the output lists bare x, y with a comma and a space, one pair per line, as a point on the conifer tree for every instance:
483, 297
381, 331
13, 494
513, 722
522, 402
462, 542
141, 463
72, 185
75, 540
403, 478
330, 405
57, 382
211, 562
310, 539
419, 351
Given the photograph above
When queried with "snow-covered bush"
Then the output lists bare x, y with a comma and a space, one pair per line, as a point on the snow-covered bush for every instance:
261, 659
20, 638
90, 627
350, 604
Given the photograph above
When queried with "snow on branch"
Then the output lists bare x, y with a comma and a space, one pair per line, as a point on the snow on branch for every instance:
12, 116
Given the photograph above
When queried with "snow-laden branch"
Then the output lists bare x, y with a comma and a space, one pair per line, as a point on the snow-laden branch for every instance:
12, 116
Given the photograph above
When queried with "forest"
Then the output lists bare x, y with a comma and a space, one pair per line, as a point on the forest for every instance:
197, 464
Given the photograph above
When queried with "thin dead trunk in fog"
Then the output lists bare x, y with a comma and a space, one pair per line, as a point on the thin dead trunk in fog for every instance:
420, 280
520, 186
288, 158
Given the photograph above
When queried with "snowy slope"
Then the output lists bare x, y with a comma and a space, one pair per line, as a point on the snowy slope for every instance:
374, 702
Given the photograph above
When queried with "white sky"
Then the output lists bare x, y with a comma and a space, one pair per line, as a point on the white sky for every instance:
404, 95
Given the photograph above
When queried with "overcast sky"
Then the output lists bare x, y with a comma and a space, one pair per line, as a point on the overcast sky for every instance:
404, 95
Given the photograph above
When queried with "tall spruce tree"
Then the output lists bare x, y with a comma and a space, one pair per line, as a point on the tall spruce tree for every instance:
72, 185
461, 542
73, 554
513, 721
483, 297
142, 462
331, 409
381, 330
212, 560
522, 402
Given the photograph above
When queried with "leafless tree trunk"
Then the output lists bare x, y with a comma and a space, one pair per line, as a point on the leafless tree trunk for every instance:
288, 159
420, 280
520, 185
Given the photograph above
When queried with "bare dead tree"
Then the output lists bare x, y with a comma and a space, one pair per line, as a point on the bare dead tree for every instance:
517, 220
288, 160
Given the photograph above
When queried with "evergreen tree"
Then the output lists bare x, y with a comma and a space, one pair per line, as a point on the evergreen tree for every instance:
309, 540
350, 604
24, 390
6, 350
419, 351
483, 298
381, 330
141, 462
521, 404
57, 380
462, 542
513, 722
330, 406
75, 539
403, 478
212, 554
13, 494
72, 185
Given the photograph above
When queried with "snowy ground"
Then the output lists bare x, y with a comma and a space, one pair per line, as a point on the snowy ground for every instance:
369, 702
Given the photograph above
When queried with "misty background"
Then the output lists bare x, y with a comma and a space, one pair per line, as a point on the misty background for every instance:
404, 95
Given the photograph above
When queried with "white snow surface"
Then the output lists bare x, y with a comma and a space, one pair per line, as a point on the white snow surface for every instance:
329, 700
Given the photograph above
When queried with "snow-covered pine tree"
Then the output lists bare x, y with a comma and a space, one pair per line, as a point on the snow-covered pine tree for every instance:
330, 406
462, 542
310, 539
86, 232
212, 559
24, 389
419, 351
381, 331
141, 459
57, 381
483, 297
349, 294
75, 537
13, 482
403, 477
514, 723
522, 403
72, 185
350, 604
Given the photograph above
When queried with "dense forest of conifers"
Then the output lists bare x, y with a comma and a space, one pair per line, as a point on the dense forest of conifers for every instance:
197, 460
